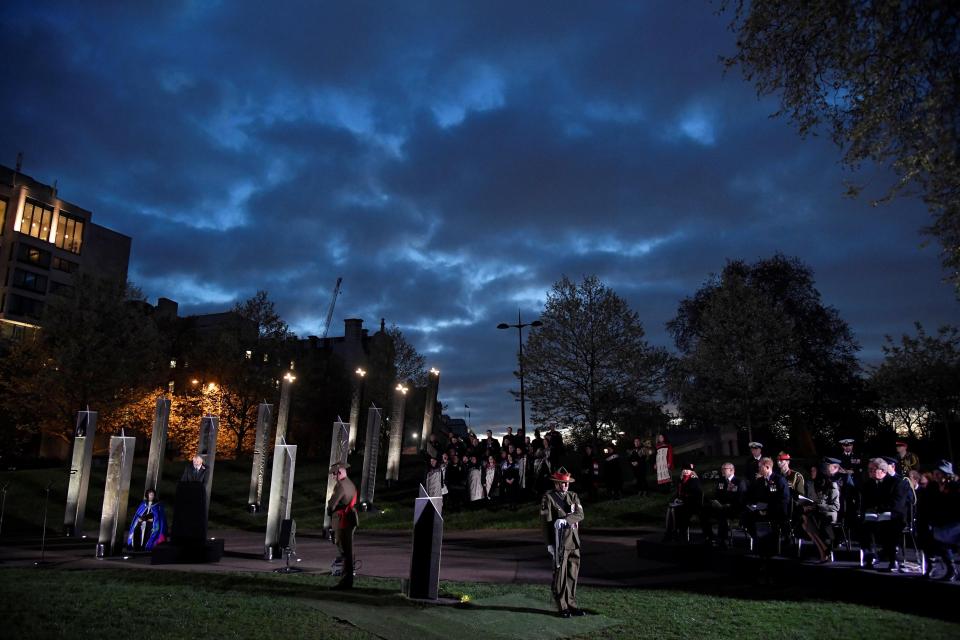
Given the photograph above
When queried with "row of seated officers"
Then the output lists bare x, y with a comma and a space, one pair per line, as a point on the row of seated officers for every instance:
776, 502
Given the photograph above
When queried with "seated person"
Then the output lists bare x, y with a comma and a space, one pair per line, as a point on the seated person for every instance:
819, 514
768, 501
727, 503
885, 513
149, 526
687, 502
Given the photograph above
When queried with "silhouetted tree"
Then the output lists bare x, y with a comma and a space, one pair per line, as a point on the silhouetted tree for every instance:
589, 360
918, 383
758, 348
882, 77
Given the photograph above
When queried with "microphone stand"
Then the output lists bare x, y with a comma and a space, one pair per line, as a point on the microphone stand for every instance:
43, 536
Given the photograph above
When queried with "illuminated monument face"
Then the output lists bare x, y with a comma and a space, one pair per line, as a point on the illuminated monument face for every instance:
84, 434
396, 432
433, 386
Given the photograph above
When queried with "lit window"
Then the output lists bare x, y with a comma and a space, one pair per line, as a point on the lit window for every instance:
3, 214
173, 364
249, 354
69, 233
36, 220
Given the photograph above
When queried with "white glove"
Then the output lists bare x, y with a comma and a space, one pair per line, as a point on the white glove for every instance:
559, 523
550, 550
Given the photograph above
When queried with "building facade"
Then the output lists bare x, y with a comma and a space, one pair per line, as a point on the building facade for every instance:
45, 242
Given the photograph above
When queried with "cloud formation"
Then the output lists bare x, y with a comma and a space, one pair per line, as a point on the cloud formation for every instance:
450, 160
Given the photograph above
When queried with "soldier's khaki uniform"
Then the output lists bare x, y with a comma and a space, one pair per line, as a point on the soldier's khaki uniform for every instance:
342, 507
565, 506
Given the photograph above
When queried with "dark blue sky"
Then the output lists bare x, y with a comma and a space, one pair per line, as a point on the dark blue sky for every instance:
451, 160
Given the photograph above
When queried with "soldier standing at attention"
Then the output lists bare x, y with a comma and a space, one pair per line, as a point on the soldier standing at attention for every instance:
342, 507
560, 515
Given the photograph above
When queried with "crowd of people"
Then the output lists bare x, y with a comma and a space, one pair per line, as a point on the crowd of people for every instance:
471, 472
877, 502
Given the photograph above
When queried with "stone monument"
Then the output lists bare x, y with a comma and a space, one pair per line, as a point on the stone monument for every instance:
83, 436
371, 450
396, 432
281, 496
207, 449
284, 411
116, 495
355, 399
433, 387
158, 445
427, 543
261, 452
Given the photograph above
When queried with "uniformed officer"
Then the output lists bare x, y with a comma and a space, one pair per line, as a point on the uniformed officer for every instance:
727, 503
560, 516
751, 468
906, 461
342, 507
851, 465
768, 501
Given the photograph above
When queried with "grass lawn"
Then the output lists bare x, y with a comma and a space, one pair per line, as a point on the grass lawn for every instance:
53, 603
228, 508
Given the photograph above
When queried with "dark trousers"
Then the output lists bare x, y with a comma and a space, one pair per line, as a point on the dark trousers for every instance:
721, 516
886, 534
345, 547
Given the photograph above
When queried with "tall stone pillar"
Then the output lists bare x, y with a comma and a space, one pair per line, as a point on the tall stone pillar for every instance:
158, 445
339, 448
207, 449
284, 412
355, 399
116, 494
281, 496
83, 437
433, 387
371, 449
427, 543
396, 432
261, 451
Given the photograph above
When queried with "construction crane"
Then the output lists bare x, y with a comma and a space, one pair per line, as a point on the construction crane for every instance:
333, 303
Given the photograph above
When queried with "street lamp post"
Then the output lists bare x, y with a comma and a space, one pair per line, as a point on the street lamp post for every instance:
519, 327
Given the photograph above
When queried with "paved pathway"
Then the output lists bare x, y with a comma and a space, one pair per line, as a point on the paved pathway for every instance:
514, 556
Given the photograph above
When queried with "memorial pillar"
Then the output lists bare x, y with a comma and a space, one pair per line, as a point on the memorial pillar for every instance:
339, 448
158, 445
261, 452
281, 496
371, 449
84, 434
427, 543
433, 386
207, 449
396, 432
355, 400
116, 494
284, 412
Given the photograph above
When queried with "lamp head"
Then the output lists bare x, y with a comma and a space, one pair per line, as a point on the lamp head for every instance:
503, 325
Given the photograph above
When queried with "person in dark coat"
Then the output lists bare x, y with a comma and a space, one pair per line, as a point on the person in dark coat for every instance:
768, 501
639, 459
611, 473
730, 492
590, 471
196, 471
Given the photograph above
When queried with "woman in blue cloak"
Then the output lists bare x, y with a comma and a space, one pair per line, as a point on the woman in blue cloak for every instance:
149, 526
